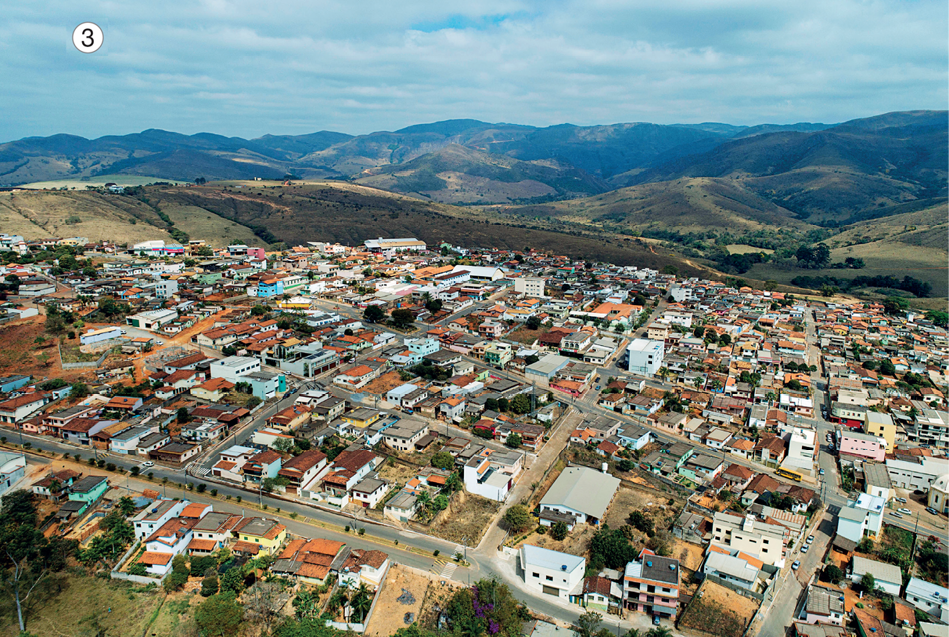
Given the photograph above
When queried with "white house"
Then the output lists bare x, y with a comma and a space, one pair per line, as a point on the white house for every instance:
579, 493
888, 577
645, 356
552, 572
929, 598
155, 515
234, 368
861, 517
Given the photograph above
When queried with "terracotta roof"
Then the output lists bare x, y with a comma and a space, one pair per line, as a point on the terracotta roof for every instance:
202, 545
193, 510
151, 558
246, 547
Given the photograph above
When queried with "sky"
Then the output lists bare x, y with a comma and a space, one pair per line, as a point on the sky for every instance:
247, 68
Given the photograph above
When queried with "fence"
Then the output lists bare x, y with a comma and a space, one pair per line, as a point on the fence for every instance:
138, 579
88, 365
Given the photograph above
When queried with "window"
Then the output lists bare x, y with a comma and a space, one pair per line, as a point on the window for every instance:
550, 578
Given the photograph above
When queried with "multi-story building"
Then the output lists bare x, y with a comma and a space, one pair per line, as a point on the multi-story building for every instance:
746, 534
645, 356
552, 572
234, 368
530, 286
862, 446
881, 425
651, 585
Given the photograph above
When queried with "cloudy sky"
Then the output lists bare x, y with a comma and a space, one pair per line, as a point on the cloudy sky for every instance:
246, 67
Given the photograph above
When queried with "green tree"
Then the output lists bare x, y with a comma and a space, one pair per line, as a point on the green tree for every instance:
219, 615
259, 310
209, 586
559, 531
361, 602
887, 367
521, 404
233, 580
79, 390
518, 518
588, 624
182, 415
513, 441
868, 582
373, 314
443, 460
402, 318
533, 323
491, 404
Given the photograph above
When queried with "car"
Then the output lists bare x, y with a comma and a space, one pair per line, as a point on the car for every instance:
804, 549
598, 388
895, 514
796, 565
655, 620
932, 510
900, 500
810, 538
905, 511
148, 463
822, 472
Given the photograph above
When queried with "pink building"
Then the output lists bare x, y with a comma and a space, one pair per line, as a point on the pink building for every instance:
651, 585
863, 446
256, 253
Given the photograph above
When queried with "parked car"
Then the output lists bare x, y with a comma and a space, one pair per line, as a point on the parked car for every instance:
895, 514
148, 463
905, 511
900, 500
796, 565
804, 549
932, 510
810, 538
822, 472
655, 620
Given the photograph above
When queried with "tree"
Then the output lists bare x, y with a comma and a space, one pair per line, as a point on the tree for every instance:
361, 602
887, 367
232, 580
209, 586
373, 314
868, 582
503, 404
513, 441
518, 518
453, 483
659, 631
182, 415
521, 404
259, 310
79, 390
491, 404
402, 318
283, 445
588, 624
611, 548
440, 503
699, 331
443, 460
219, 615
533, 323
725, 339
559, 531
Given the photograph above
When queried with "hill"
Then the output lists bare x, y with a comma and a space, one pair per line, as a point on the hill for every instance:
831, 176
457, 174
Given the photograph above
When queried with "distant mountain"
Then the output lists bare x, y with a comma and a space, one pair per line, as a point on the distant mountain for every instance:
832, 175
458, 174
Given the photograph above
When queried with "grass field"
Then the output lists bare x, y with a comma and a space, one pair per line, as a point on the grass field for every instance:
101, 180
203, 224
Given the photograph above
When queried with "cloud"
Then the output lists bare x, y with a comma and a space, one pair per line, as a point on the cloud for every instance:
245, 68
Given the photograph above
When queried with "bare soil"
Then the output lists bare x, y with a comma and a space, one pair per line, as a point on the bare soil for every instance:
719, 611
390, 614
468, 516
382, 385
577, 541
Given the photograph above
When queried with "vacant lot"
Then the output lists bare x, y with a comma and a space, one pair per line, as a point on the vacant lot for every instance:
86, 605
22, 354
628, 500
397, 473
468, 516
719, 611
382, 385
577, 541
400, 601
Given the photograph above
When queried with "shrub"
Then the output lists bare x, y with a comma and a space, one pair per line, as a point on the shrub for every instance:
559, 531
110, 466
362, 531
213, 493
202, 487
436, 552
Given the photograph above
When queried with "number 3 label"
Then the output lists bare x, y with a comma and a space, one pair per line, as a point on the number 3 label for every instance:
87, 37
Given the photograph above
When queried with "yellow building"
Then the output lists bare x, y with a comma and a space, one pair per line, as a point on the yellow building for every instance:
877, 424
362, 417
268, 535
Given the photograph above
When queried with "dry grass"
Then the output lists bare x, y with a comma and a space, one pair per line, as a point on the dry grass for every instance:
397, 473
719, 611
468, 516
577, 541
689, 555
390, 614
628, 500
21, 354
203, 224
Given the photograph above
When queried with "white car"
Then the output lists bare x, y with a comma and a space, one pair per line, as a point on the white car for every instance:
796, 565
804, 549
148, 463
810, 538
900, 500
905, 511
895, 514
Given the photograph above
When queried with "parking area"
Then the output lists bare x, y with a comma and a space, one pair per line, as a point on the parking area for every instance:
915, 503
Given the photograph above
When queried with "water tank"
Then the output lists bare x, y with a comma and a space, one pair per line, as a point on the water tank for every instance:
605, 467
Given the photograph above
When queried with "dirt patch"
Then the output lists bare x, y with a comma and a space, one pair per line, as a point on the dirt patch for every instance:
525, 336
400, 601
577, 541
27, 349
468, 516
689, 555
651, 504
397, 473
382, 385
869, 605
717, 610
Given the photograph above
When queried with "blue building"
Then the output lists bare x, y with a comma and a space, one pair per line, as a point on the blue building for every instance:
267, 288
10, 383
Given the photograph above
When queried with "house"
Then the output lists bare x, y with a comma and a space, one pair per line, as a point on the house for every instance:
360, 566
89, 489
344, 473
212, 390
888, 577
212, 531
404, 435
763, 540
266, 534
306, 560
303, 469
823, 606
20, 408
262, 466
651, 585
600, 594
155, 515
552, 572
54, 485
736, 568
861, 517
369, 491
579, 493
928, 598
491, 474
173, 452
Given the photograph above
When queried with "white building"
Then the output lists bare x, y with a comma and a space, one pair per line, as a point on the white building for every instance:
801, 449
96, 336
152, 517
929, 598
394, 245
645, 356
888, 577
580, 493
530, 286
491, 474
860, 518
552, 572
743, 533
939, 494
233, 368
916, 474
12, 469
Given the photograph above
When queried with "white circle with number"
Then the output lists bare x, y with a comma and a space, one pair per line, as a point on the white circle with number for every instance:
87, 37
